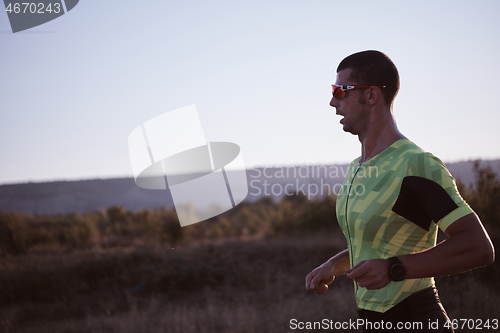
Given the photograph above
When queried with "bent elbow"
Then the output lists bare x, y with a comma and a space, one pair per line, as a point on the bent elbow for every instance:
487, 256
492, 255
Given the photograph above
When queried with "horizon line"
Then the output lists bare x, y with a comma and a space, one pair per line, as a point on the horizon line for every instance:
110, 177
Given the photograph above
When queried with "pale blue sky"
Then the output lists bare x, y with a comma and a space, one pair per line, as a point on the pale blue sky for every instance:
259, 72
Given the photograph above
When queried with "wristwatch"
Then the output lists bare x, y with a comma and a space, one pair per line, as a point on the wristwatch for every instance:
397, 271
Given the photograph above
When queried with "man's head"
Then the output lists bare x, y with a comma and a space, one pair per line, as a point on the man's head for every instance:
364, 90
373, 68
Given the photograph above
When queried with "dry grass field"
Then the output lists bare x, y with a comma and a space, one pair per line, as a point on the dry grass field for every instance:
243, 271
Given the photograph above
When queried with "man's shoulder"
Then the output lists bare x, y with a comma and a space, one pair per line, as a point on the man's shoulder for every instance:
404, 153
407, 148
414, 155
424, 164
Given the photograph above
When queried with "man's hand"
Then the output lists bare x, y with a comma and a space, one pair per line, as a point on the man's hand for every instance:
319, 279
371, 274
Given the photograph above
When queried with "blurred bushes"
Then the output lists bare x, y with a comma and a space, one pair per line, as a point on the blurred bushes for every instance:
484, 196
19, 233
13, 234
118, 227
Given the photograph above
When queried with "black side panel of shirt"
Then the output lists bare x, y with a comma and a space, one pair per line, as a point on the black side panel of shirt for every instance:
422, 201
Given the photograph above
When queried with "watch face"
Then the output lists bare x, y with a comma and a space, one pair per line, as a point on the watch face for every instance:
398, 272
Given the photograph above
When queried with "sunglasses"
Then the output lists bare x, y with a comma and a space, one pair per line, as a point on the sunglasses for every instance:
339, 91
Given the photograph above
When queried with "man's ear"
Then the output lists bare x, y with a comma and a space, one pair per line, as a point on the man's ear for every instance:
373, 95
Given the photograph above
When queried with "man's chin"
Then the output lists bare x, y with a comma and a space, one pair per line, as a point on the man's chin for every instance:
349, 130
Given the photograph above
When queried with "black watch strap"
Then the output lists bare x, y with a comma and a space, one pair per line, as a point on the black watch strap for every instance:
397, 271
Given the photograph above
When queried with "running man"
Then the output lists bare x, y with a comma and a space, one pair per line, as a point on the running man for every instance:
394, 199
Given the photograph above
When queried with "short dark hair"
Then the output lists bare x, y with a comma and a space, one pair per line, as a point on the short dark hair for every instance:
373, 68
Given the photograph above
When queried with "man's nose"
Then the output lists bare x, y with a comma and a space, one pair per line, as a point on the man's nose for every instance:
333, 102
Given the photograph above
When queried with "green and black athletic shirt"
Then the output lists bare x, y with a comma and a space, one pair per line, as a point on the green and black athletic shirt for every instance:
392, 205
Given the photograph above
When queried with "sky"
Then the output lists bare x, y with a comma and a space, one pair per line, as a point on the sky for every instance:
259, 73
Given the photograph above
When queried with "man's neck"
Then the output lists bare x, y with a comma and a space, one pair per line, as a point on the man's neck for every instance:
381, 133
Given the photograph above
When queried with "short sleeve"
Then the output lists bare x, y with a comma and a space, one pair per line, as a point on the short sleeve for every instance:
437, 197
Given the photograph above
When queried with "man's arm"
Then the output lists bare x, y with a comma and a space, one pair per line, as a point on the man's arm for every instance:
319, 278
467, 247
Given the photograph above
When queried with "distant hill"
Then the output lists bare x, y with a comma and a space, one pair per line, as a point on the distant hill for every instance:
90, 195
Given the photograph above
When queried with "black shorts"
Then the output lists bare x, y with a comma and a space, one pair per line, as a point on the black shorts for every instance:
420, 312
